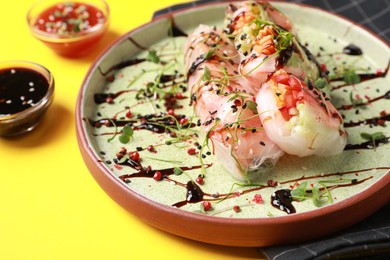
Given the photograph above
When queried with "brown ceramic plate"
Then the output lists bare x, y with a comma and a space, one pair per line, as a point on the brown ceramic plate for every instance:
121, 87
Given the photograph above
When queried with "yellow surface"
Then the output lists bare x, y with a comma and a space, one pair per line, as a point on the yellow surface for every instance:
50, 206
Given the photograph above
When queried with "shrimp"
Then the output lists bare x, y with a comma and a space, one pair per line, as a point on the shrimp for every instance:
246, 13
225, 106
299, 118
273, 48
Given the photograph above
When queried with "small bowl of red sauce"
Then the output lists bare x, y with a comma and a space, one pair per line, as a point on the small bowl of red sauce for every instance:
26, 92
70, 28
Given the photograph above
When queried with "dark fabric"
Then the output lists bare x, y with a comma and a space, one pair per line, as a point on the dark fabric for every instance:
372, 14
369, 239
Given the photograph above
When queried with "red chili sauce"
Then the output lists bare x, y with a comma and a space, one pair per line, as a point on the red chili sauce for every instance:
71, 20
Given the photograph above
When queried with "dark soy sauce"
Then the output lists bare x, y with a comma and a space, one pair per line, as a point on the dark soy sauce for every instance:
20, 89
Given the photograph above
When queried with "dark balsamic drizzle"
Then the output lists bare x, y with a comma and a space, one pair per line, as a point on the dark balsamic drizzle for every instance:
363, 77
371, 121
367, 145
159, 124
121, 65
347, 107
101, 98
282, 200
176, 31
139, 46
352, 50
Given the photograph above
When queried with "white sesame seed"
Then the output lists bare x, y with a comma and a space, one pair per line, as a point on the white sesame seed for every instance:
22, 98
51, 17
31, 83
13, 71
9, 101
31, 89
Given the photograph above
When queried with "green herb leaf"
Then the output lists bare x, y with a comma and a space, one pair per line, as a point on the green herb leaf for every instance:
372, 137
206, 74
124, 139
320, 83
316, 196
152, 56
355, 101
299, 193
350, 77
251, 105
127, 130
208, 54
177, 171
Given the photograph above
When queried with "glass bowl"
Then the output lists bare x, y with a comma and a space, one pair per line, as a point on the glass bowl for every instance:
70, 28
26, 91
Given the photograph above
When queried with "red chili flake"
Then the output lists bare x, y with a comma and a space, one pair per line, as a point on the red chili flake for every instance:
381, 122
110, 78
171, 112
199, 180
119, 155
157, 176
109, 100
179, 95
323, 67
172, 134
119, 167
148, 168
237, 194
254, 98
272, 183
383, 113
135, 156
236, 209
206, 205
191, 151
230, 88
123, 150
107, 123
150, 148
379, 72
183, 121
129, 114
367, 97
257, 199
356, 174
312, 185
237, 102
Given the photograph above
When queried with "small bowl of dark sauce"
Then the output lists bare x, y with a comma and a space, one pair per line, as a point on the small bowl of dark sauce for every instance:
26, 91
70, 28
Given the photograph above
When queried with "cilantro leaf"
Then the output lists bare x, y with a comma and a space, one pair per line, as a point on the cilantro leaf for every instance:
206, 74
152, 56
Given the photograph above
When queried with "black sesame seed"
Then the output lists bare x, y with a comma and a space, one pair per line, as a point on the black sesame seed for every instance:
139, 148
262, 143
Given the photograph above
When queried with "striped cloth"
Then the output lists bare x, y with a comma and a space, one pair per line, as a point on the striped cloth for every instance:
369, 239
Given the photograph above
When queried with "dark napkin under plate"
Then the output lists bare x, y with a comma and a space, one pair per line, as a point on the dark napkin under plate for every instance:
370, 239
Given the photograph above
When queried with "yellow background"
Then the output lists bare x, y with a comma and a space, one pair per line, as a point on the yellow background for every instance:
50, 206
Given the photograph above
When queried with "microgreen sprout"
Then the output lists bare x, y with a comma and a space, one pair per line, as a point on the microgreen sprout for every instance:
373, 137
127, 133
152, 56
